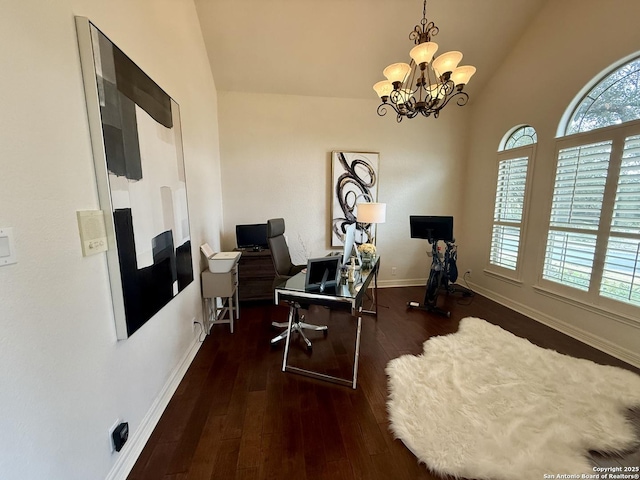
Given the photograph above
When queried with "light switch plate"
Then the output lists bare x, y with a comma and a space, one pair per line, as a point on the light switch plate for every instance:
93, 235
7, 247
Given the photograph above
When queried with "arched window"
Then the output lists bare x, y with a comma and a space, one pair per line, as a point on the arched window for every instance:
514, 157
613, 100
521, 137
593, 242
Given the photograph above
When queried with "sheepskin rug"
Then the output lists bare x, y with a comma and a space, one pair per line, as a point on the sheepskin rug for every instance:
483, 403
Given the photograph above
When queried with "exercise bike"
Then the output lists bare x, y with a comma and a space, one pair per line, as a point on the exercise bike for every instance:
442, 277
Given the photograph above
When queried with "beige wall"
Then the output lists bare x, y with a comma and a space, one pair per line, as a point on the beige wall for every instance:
570, 43
65, 379
276, 162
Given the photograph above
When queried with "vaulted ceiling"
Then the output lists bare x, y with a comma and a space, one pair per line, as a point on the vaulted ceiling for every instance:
338, 48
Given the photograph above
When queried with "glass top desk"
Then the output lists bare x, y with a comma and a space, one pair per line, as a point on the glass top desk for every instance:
347, 296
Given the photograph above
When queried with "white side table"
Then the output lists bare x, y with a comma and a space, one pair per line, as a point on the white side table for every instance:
225, 287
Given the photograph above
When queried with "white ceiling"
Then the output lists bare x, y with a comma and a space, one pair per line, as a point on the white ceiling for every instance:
338, 48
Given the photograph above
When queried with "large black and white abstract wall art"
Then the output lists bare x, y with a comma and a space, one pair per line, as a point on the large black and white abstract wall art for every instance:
139, 163
355, 181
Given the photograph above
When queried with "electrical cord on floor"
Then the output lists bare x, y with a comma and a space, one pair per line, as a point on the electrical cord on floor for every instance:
471, 294
370, 297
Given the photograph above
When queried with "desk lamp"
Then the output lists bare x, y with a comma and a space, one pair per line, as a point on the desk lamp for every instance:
371, 213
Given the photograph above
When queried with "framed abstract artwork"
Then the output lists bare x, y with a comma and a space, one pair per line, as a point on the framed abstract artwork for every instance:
354, 181
138, 158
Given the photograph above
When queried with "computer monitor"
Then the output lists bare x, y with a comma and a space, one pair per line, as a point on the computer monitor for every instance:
431, 227
322, 273
252, 236
349, 244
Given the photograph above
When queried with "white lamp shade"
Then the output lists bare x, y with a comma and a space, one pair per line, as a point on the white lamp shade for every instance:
372, 212
461, 75
383, 88
436, 91
396, 72
404, 96
447, 62
424, 52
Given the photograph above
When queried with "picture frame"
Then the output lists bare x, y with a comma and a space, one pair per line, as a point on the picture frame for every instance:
138, 158
354, 180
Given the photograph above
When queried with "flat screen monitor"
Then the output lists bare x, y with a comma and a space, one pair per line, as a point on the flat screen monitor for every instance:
252, 236
431, 227
322, 274
349, 244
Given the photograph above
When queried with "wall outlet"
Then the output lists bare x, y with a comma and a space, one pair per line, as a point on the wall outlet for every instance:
394, 271
111, 430
197, 326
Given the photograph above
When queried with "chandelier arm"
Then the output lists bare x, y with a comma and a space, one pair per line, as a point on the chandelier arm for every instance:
462, 99
413, 114
382, 109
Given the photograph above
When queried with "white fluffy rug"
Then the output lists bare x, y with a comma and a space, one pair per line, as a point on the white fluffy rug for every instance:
483, 403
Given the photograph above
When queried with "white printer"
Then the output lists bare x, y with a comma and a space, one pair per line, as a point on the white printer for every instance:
220, 262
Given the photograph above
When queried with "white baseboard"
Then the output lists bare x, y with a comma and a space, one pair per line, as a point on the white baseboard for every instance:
632, 358
132, 450
411, 282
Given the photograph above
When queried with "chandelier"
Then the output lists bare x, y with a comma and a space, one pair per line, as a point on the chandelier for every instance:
428, 84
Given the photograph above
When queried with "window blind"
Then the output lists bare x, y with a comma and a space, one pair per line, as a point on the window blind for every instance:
505, 242
621, 273
508, 210
626, 211
512, 178
569, 258
579, 187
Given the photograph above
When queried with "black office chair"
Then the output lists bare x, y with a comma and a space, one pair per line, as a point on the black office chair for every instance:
285, 269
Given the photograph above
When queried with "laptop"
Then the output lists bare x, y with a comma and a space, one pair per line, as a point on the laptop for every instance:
322, 274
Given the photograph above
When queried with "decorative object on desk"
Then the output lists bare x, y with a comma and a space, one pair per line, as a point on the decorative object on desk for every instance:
483, 403
368, 216
354, 175
426, 85
138, 158
351, 273
367, 253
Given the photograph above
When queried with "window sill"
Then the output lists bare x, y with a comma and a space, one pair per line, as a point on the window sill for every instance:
621, 318
502, 277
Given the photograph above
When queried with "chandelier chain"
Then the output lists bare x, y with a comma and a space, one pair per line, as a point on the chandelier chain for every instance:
426, 30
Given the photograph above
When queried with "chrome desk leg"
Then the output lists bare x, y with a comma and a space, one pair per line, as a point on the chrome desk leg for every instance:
357, 354
351, 382
374, 299
286, 344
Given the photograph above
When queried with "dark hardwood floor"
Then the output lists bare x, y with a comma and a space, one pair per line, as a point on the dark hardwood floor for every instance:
236, 415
